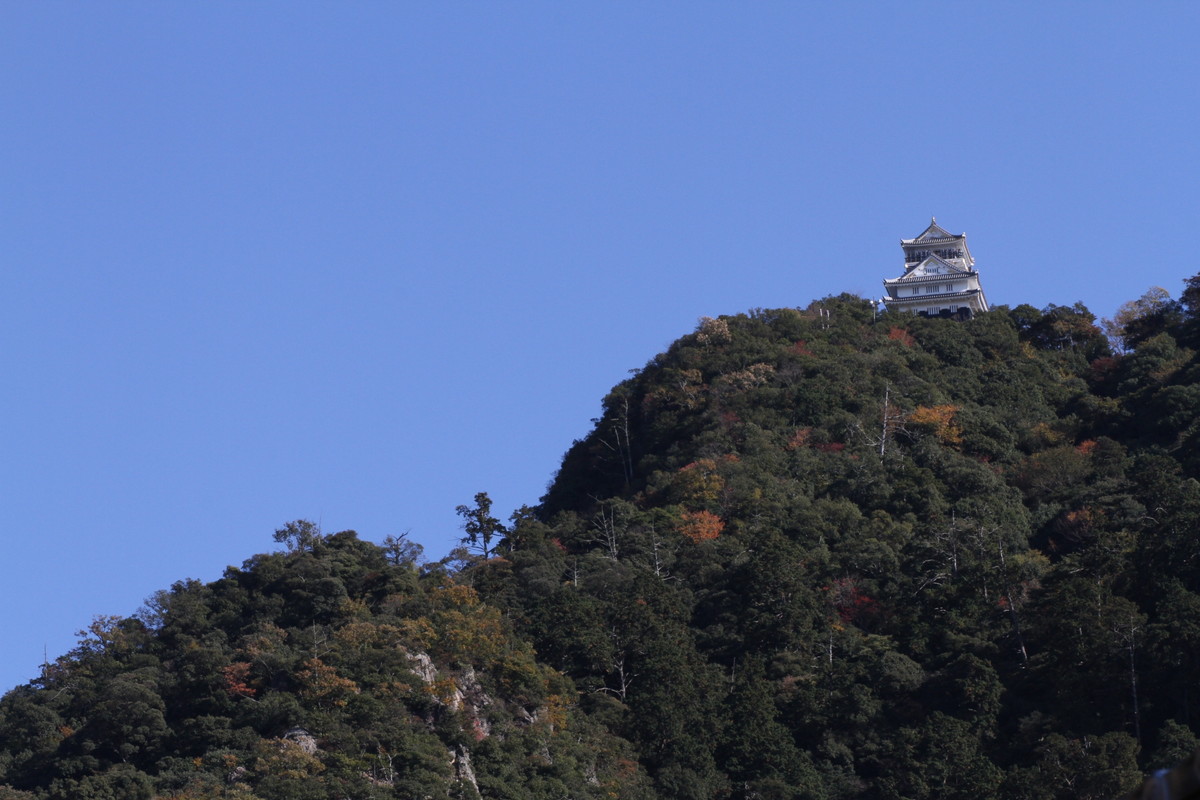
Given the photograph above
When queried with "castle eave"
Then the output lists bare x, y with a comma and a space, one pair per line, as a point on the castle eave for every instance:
909, 279
940, 240
919, 299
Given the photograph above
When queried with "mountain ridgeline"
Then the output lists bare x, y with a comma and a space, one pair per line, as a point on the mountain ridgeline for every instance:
805, 553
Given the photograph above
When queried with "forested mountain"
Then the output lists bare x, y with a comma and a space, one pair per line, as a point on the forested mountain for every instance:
804, 553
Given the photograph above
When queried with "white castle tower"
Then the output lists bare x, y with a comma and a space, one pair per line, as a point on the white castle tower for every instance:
939, 277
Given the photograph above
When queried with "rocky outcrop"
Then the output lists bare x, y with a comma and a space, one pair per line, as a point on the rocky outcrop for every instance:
463, 771
302, 739
422, 665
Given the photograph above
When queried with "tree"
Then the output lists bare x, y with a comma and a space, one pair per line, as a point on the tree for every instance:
1138, 320
402, 551
700, 526
1189, 309
299, 536
756, 751
941, 758
479, 524
1065, 328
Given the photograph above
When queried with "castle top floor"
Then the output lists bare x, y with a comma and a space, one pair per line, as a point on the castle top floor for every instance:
937, 241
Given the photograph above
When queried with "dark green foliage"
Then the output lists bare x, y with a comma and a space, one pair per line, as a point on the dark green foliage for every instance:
333, 670
929, 531
804, 553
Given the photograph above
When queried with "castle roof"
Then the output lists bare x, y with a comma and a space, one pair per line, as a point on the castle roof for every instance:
934, 233
933, 268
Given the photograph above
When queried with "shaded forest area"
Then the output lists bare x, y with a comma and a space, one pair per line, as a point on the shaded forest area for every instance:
805, 553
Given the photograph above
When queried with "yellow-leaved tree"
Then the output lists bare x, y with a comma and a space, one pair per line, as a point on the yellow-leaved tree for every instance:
938, 420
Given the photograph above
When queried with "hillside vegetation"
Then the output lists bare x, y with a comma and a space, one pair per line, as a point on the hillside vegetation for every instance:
804, 553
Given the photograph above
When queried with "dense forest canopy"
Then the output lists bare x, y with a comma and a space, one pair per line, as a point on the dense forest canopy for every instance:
804, 553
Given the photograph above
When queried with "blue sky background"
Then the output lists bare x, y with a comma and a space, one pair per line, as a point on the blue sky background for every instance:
355, 262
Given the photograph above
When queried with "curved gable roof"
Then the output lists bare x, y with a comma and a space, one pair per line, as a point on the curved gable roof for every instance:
934, 232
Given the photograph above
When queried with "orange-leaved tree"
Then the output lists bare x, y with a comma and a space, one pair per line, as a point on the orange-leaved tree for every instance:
700, 526
938, 420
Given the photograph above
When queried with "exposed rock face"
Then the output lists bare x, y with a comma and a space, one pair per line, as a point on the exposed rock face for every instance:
470, 697
303, 739
423, 666
463, 771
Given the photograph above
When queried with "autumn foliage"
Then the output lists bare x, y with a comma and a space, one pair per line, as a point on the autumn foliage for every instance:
236, 680
852, 603
798, 439
902, 336
701, 526
321, 683
699, 482
938, 420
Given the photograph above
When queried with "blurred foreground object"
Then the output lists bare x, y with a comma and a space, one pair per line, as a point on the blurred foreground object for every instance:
1180, 783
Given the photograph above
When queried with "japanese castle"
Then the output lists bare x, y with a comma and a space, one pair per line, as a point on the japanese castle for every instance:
939, 277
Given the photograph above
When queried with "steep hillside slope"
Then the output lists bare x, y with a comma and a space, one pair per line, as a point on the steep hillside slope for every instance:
814, 553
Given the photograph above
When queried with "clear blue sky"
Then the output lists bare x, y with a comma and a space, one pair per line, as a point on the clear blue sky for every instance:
355, 262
